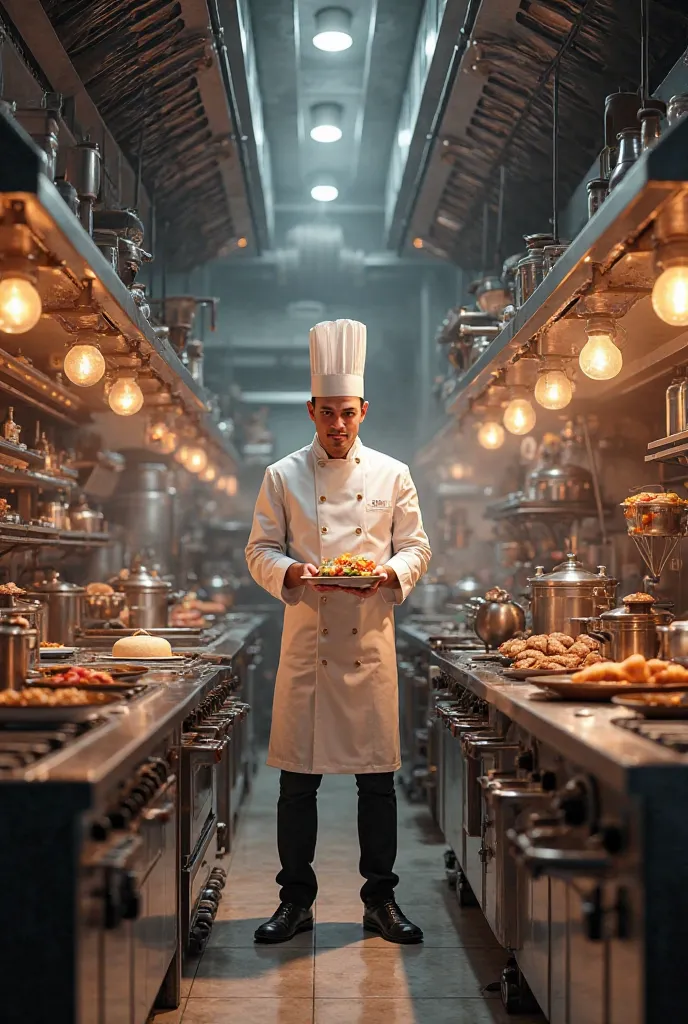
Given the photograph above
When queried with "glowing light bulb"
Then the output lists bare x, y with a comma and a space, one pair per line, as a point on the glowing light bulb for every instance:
670, 296
519, 416
196, 459
599, 358
20, 305
84, 365
553, 389
491, 435
208, 474
125, 397
231, 486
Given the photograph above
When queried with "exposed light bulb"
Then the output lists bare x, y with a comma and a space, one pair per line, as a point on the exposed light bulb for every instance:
125, 397
491, 435
519, 416
20, 305
553, 389
196, 459
84, 365
231, 486
600, 358
670, 296
208, 474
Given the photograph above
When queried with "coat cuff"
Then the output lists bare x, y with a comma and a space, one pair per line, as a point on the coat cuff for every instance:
395, 595
289, 596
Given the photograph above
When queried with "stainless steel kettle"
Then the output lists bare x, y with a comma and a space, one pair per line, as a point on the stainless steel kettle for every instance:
498, 618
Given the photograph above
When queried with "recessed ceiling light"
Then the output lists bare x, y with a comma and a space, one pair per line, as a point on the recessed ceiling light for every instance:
404, 137
326, 119
324, 192
333, 29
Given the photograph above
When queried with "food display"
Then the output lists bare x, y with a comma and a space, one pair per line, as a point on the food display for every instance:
99, 590
635, 669
80, 675
47, 645
12, 589
656, 515
639, 598
347, 565
37, 696
142, 645
555, 652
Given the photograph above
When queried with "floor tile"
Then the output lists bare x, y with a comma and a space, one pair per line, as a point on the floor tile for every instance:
249, 1011
340, 925
359, 972
413, 1011
169, 1016
259, 972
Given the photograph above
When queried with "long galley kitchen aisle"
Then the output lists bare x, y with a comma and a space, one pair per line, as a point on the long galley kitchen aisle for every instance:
339, 974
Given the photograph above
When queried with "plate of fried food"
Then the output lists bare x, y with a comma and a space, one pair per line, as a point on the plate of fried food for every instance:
50, 650
344, 571
656, 705
606, 679
53, 704
550, 654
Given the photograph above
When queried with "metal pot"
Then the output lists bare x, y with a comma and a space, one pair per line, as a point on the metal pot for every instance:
16, 644
471, 609
631, 629
498, 618
674, 641
86, 519
559, 483
429, 597
34, 613
567, 594
63, 604
56, 512
148, 598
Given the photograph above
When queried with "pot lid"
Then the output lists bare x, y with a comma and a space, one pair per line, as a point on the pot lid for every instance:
52, 584
570, 571
140, 578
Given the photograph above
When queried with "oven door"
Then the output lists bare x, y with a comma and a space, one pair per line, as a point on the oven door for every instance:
200, 760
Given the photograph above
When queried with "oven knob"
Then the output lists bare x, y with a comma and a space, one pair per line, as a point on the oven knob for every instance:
100, 829
214, 895
612, 839
120, 817
526, 761
159, 766
548, 781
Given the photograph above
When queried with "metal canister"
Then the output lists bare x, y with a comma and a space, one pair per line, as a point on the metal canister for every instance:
677, 108
531, 271
559, 599
63, 604
16, 644
552, 253
597, 193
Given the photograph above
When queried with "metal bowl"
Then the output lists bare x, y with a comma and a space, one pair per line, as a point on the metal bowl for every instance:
656, 519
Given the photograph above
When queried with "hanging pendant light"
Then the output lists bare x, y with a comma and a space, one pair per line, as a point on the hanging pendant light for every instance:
84, 364
600, 358
125, 397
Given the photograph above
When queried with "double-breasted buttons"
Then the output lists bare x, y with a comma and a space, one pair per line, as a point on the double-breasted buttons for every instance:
359, 531
325, 631
354, 630
359, 497
323, 498
323, 662
324, 600
323, 529
358, 461
321, 464
358, 664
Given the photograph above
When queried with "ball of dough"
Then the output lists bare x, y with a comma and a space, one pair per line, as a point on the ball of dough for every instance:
142, 645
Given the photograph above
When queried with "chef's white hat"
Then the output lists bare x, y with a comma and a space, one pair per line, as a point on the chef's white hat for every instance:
338, 351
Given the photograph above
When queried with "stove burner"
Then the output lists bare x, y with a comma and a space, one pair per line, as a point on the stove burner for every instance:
673, 735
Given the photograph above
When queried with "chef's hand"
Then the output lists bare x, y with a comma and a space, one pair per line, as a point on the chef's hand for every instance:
292, 577
385, 577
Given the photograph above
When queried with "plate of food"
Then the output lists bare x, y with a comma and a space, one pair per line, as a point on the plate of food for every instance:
48, 651
91, 675
553, 653
53, 704
606, 679
655, 704
344, 571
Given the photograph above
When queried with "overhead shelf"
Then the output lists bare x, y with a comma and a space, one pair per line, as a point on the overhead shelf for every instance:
83, 289
14, 535
607, 268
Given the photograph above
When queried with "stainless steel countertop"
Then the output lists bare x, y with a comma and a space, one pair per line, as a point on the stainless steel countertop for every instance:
104, 755
625, 761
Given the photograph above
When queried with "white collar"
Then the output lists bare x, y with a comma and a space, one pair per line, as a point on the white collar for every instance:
353, 452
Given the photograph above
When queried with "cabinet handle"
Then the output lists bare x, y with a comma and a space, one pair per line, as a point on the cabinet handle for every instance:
163, 813
553, 861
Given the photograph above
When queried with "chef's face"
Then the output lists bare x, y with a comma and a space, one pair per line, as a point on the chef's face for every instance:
337, 421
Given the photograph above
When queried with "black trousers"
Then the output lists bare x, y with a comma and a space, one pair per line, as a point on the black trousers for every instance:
297, 831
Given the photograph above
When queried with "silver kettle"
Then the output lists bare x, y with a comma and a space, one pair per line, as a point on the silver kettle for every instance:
498, 618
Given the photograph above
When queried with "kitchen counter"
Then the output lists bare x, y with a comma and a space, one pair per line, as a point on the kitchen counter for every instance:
585, 733
106, 753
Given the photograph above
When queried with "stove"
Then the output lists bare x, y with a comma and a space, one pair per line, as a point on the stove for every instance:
673, 735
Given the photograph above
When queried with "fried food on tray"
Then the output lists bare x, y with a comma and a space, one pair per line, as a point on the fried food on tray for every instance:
661, 498
347, 565
46, 644
672, 674
36, 696
553, 651
603, 672
636, 669
11, 588
562, 638
639, 598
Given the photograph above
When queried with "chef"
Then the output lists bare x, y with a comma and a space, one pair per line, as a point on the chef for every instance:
335, 708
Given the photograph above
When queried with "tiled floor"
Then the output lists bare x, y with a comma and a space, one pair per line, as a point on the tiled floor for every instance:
338, 974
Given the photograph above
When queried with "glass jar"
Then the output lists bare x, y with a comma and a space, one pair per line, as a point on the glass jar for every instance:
597, 193
676, 396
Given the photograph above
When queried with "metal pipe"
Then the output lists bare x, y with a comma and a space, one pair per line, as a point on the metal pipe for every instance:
239, 137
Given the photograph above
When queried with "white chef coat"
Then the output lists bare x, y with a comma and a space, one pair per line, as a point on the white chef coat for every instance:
336, 695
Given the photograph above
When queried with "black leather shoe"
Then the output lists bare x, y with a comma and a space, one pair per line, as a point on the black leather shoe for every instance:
388, 921
287, 921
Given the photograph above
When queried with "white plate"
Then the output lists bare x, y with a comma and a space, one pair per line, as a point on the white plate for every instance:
340, 581
169, 657
57, 652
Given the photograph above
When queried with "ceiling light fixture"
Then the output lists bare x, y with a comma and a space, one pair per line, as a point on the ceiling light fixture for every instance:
553, 389
84, 364
670, 292
491, 435
326, 121
600, 358
20, 303
324, 191
333, 29
125, 397
519, 415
